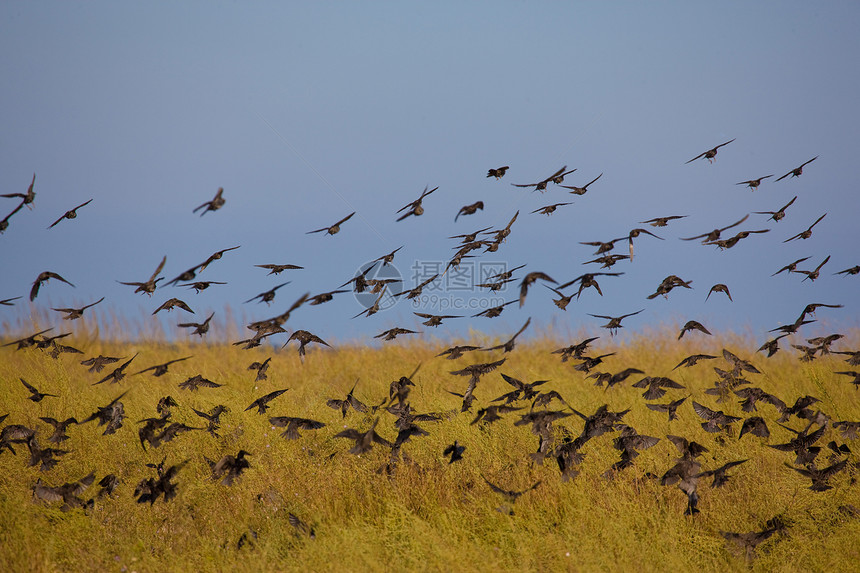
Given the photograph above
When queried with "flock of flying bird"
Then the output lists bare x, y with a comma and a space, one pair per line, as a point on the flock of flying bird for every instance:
526, 403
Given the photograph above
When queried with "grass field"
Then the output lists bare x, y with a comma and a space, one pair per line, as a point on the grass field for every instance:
421, 513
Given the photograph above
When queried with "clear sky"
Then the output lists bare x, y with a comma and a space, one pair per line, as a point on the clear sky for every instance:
307, 111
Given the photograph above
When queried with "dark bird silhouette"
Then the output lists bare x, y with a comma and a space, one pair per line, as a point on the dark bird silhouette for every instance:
469, 209
293, 425
693, 325
498, 172
715, 420
415, 207
172, 303
69, 493
214, 257
275, 269
262, 403
589, 362
267, 296
855, 270
587, 280
813, 274
416, 292
454, 450
853, 373
26, 198
671, 408
655, 386
692, 360
117, 374
563, 300
71, 214
324, 297
148, 287
747, 542
393, 333
715, 234
230, 467
213, 417
334, 229
60, 427
710, 154
556, 177
574, 350
98, 363
662, 221
75, 313
4, 223
530, 279
111, 415
777, 215
261, 368
509, 345
216, 203
510, 496
349, 402
434, 319
820, 477
719, 287
35, 395
614, 321
8, 301
200, 328
195, 382
150, 489
797, 171
364, 440
754, 183
791, 267
494, 311
42, 278
161, 369
720, 476
28, 341
550, 209
756, 426
581, 190
635, 233
457, 351
805, 234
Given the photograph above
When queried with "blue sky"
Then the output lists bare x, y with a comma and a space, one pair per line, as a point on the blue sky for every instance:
305, 112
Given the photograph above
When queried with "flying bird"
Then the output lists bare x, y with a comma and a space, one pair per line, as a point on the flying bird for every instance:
574, 190
715, 234
614, 321
267, 296
754, 183
161, 369
334, 229
42, 278
415, 207
262, 403
216, 203
469, 209
75, 313
797, 171
805, 234
304, 338
71, 214
556, 177
498, 172
711, 153
275, 269
35, 395
662, 221
777, 215
719, 287
172, 303
26, 198
148, 287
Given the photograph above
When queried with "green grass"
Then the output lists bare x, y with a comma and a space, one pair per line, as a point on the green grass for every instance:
427, 515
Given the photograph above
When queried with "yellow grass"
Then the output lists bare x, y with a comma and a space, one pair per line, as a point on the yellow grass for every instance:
427, 515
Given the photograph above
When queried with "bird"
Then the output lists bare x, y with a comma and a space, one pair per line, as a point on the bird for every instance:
161, 369
662, 221
754, 183
813, 274
509, 345
262, 403
434, 319
69, 493
494, 311
719, 474
230, 467
170, 304
45, 458
797, 171
791, 267
855, 270
214, 257
4, 223
587, 280
26, 198
150, 489
550, 209
852, 373
35, 395
70, 214
393, 333
111, 415
364, 440
261, 368
200, 328
719, 287
42, 278
98, 363
498, 172
334, 229
510, 496
216, 203
59, 426
117, 374
693, 325
195, 382
304, 338
670, 408
614, 321
275, 269
715, 420
563, 300
349, 402
806, 233
469, 209
293, 425
530, 279
693, 359
267, 296
710, 154
75, 313
756, 426
820, 477
8, 301
655, 385
715, 234
454, 450
149, 286
747, 542
574, 190
777, 216
556, 177
324, 297
415, 207
457, 351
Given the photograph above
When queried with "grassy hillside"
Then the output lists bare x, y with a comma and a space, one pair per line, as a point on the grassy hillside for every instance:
420, 512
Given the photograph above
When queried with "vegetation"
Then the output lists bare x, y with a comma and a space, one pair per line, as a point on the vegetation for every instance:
421, 513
